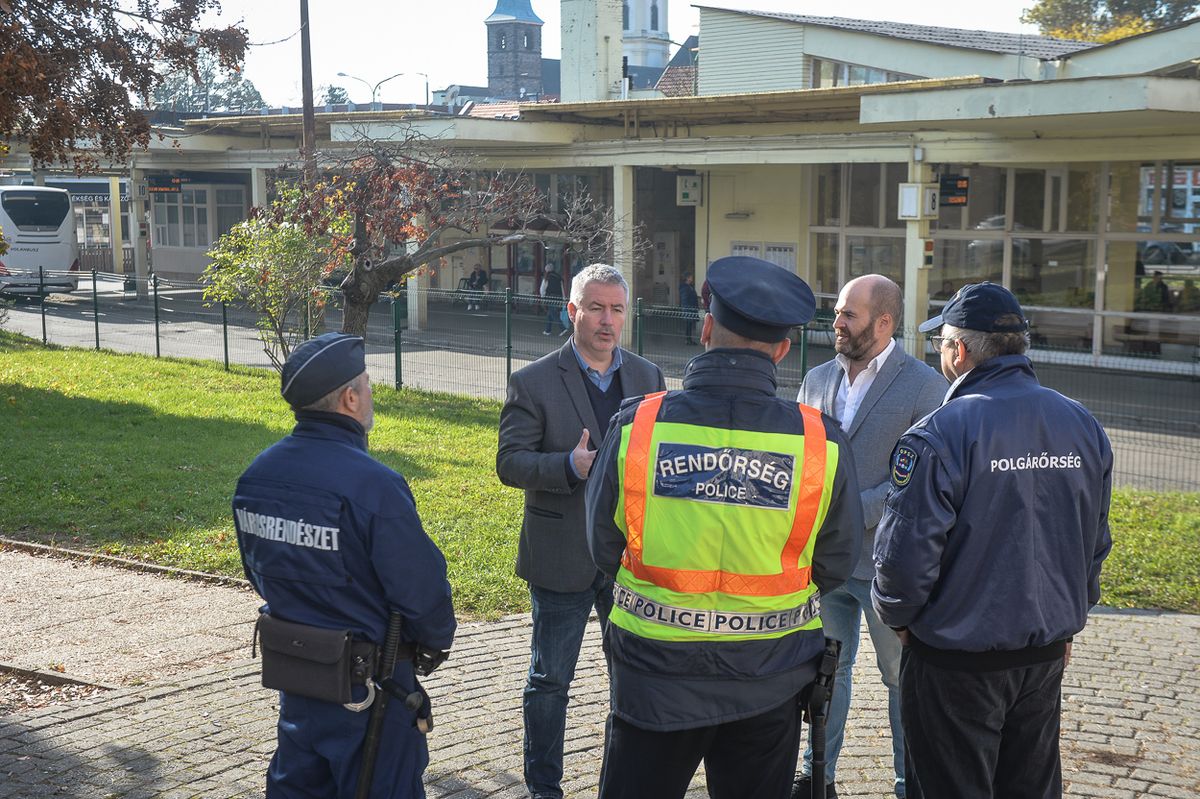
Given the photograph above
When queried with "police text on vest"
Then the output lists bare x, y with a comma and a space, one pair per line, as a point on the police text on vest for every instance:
723, 474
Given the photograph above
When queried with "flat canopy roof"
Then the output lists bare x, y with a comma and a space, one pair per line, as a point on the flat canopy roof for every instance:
839, 103
1133, 101
293, 124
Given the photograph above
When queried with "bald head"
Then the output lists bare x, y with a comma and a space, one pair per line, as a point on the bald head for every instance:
867, 314
881, 296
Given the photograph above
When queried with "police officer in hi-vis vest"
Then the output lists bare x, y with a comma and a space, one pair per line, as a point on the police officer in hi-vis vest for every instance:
724, 512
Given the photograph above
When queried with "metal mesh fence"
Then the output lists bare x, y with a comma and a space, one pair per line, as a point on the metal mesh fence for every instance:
467, 343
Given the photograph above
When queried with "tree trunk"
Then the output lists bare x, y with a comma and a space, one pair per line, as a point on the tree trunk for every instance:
354, 317
360, 292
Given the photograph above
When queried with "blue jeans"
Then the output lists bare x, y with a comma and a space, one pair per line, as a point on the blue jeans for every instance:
559, 621
841, 613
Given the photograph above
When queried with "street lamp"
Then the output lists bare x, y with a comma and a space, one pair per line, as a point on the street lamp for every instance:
374, 89
426, 77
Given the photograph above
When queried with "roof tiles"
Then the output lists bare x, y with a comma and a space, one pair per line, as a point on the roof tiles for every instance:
992, 41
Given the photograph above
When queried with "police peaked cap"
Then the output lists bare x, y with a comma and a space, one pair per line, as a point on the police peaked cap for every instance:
980, 306
320, 365
758, 299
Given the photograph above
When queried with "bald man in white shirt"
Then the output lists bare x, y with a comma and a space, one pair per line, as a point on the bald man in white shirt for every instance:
876, 392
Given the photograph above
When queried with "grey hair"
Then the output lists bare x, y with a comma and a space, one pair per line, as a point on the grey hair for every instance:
329, 402
596, 273
985, 346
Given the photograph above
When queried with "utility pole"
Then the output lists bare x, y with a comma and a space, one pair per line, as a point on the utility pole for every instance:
309, 139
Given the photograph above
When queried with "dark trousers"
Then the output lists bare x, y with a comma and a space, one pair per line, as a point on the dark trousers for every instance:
981, 735
754, 757
319, 753
689, 324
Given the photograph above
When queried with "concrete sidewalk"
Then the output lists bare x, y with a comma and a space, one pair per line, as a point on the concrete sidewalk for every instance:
193, 720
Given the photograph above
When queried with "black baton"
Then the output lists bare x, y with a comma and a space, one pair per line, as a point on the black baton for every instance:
818, 710
370, 748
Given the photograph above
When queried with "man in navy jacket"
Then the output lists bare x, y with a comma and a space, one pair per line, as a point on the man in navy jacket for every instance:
988, 559
330, 538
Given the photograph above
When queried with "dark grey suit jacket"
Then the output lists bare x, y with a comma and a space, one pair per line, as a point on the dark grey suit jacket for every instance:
546, 412
904, 392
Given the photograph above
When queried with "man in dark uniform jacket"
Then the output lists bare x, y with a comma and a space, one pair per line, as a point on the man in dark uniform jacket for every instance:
724, 512
988, 559
330, 538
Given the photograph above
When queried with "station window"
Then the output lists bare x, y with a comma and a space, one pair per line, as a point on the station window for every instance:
231, 208
827, 73
184, 218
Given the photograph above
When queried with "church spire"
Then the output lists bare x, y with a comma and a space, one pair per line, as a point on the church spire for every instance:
514, 51
514, 11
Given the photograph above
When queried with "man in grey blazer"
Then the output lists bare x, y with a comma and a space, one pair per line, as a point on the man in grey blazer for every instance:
876, 392
553, 421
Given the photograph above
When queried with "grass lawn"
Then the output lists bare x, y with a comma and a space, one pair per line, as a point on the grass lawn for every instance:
1155, 562
135, 456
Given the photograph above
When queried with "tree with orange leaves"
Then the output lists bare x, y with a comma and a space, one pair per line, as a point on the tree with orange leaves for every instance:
71, 71
412, 204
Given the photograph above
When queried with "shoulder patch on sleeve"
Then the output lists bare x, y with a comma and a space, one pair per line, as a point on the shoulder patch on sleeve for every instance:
904, 461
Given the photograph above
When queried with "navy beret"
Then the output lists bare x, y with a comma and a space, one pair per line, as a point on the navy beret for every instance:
758, 299
320, 365
979, 306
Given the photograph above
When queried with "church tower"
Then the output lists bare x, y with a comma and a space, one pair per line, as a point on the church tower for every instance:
646, 41
514, 51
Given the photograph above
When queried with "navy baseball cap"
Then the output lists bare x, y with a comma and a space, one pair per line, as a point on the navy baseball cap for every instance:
320, 365
758, 299
979, 306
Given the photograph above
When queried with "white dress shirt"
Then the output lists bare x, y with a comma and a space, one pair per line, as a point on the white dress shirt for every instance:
850, 396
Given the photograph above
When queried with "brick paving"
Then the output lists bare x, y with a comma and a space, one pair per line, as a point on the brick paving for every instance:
1131, 724
115, 626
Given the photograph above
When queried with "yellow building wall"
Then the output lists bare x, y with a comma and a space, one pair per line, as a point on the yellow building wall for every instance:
775, 198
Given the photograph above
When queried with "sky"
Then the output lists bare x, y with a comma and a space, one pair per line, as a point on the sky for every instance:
445, 39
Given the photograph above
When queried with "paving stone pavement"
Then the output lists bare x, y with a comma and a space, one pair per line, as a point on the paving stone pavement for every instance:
116, 626
1131, 722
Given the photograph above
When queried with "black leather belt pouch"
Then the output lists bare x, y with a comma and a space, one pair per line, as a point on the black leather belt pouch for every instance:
308, 661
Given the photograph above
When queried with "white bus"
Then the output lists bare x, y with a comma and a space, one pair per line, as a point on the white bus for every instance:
39, 228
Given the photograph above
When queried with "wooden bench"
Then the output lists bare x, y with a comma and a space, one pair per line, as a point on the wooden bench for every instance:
1137, 339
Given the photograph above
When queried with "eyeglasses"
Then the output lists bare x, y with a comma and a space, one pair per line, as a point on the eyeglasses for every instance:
940, 341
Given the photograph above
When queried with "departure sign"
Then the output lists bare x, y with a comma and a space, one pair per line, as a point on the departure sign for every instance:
165, 184
954, 189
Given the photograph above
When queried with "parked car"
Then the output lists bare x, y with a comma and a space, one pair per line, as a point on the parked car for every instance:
1166, 253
